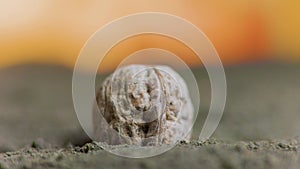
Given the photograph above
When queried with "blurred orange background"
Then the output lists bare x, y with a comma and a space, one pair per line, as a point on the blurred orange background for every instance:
53, 32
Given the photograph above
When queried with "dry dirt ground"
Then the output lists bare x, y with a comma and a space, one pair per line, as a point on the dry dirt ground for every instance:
211, 154
259, 129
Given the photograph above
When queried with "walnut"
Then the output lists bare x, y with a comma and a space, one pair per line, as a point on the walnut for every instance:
145, 105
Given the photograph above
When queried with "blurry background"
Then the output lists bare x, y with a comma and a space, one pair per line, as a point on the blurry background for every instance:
258, 42
53, 32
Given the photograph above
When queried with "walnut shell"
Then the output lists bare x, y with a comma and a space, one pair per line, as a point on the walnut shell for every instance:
145, 105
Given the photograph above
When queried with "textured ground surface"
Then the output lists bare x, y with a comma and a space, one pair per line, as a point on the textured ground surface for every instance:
211, 154
259, 128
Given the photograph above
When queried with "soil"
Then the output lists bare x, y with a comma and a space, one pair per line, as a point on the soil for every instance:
259, 129
211, 154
